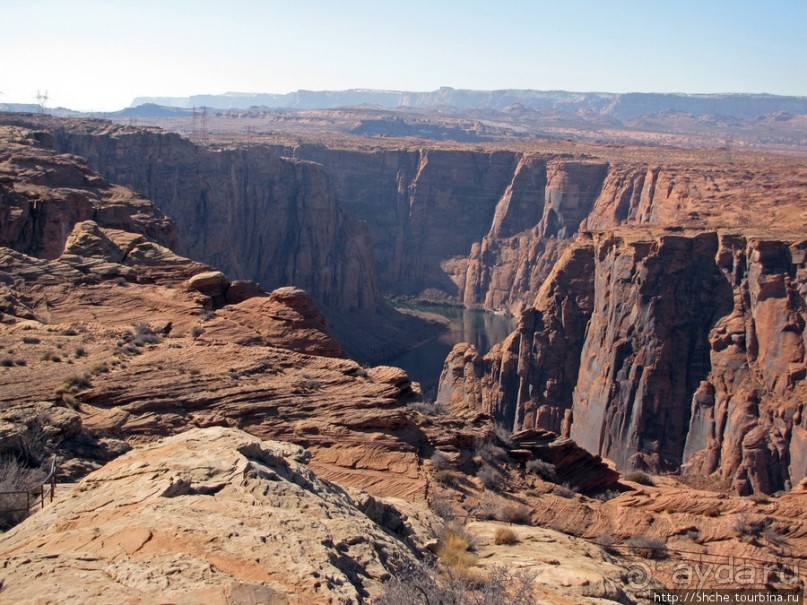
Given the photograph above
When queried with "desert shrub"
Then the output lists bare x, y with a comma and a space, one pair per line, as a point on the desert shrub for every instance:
442, 508
490, 477
543, 469
197, 331
640, 478
51, 356
69, 332
512, 512
80, 352
7, 362
488, 507
504, 435
454, 546
505, 535
607, 495
20, 362
440, 461
564, 491
418, 585
31, 340
15, 476
144, 335
648, 547
306, 384
75, 383
448, 478
606, 541
492, 454
427, 408
761, 499
749, 527
773, 536
101, 368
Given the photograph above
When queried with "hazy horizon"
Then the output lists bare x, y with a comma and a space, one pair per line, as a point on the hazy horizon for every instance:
99, 56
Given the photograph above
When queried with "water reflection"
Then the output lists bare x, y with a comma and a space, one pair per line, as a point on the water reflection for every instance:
481, 328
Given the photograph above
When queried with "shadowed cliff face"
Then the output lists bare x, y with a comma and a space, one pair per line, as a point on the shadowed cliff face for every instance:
657, 351
253, 214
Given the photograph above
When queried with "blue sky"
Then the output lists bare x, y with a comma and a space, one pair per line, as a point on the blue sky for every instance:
100, 54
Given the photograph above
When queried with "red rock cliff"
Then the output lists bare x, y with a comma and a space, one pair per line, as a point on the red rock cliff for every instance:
659, 350
253, 214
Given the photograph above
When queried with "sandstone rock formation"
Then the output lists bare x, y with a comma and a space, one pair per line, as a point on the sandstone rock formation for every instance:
483, 227
213, 515
657, 351
252, 214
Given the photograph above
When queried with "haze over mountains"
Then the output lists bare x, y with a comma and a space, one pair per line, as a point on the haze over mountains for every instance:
617, 105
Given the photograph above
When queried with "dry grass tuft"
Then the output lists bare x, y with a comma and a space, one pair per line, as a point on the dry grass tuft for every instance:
506, 536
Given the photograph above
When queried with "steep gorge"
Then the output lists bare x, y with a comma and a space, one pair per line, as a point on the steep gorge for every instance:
631, 345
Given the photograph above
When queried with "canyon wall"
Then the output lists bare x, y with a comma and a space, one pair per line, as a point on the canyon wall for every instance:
252, 213
660, 350
484, 228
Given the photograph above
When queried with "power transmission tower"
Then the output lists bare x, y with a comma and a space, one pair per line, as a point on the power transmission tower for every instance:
42, 100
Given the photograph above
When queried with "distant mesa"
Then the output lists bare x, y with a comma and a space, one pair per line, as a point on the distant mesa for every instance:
616, 105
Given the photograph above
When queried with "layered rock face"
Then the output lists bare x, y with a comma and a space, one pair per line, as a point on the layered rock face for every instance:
252, 214
659, 350
484, 227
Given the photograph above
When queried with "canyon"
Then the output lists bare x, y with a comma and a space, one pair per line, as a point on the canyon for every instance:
660, 318
181, 319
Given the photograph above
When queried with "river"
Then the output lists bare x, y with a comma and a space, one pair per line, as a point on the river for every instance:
424, 362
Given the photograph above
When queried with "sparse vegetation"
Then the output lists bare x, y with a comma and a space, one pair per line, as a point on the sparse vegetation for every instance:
69, 332
443, 509
419, 585
66, 392
197, 331
488, 507
504, 435
564, 491
760, 499
746, 526
144, 335
640, 478
648, 547
773, 536
31, 340
543, 469
606, 542
454, 548
486, 452
607, 495
448, 478
490, 477
15, 476
512, 512
427, 408
80, 352
505, 536
7, 362
440, 461
51, 356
